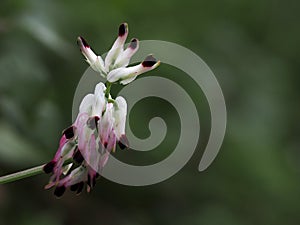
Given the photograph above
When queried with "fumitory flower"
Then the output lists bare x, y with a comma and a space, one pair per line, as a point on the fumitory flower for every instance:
84, 147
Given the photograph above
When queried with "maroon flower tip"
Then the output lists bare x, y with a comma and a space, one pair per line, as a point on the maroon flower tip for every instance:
59, 191
133, 43
77, 156
149, 61
105, 144
123, 142
69, 132
82, 41
122, 29
48, 168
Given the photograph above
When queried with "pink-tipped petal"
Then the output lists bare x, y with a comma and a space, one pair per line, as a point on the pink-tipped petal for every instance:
117, 47
96, 62
92, 153
86, 50
106, 124
126, 75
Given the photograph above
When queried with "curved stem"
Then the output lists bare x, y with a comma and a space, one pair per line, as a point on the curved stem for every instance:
22, 174
108, 86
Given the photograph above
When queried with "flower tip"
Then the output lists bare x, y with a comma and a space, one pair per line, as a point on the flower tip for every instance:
59, 191
123, 142
123, 29
69, 132
133, 43
150, 61
48, 168
82, 42
78, 157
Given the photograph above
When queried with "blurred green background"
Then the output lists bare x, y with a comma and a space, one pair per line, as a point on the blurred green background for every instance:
253, 48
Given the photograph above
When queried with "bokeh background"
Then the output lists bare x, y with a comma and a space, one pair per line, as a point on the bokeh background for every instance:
253, 48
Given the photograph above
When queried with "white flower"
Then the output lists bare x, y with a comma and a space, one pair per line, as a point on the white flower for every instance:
114, 67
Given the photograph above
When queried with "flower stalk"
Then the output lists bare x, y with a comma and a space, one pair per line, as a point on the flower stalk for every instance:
108, 87
22, 174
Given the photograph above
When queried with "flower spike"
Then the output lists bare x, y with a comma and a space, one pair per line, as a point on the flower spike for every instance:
85, 146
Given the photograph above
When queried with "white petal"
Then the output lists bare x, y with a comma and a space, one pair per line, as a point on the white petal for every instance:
100, 88
123, 73
86, 104
125, 56
120, 112
126, 75
98, 66
128, 80
99, 100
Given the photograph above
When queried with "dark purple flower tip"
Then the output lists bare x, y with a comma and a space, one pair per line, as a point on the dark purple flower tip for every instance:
59, 191
48, 168
123, 142
69, 132
123, 29
77, 156
133, 43
149, 61
105, 144
82, 42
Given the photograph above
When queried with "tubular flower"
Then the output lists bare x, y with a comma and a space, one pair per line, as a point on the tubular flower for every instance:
114, 66
85, 146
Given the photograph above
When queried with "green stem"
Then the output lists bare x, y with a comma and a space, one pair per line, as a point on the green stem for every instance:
27, 173
22, 174
107, 92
